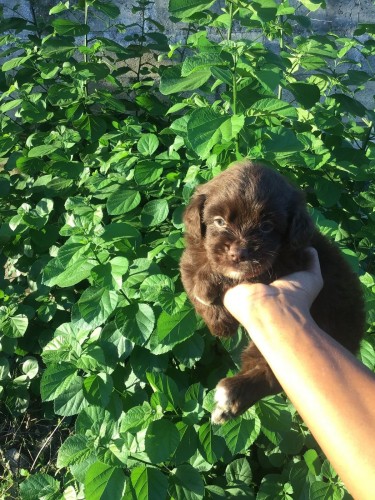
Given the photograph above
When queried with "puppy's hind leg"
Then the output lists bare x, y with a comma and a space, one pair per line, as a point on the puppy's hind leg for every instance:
234, 395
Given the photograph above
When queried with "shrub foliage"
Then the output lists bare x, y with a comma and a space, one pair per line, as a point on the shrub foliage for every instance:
104, 137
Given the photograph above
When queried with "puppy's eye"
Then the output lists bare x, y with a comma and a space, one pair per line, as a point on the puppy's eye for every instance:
220, 222
266, 227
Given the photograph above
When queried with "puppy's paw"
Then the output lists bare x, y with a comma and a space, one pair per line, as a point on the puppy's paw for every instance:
226, 407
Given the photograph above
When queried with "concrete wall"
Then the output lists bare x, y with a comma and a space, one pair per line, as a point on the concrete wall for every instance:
340, 16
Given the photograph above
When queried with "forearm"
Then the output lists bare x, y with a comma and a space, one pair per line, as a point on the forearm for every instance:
332, 391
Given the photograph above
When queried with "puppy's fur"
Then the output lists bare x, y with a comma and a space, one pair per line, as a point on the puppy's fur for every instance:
249, 224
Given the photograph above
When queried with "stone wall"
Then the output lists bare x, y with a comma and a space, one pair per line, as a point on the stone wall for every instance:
340, 16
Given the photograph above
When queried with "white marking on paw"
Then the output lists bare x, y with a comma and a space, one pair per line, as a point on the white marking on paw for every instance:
219, 415
221, 396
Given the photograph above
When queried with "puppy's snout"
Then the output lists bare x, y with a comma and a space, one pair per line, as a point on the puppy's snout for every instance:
238, 254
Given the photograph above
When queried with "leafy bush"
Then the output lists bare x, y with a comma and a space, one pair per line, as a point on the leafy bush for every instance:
100, 155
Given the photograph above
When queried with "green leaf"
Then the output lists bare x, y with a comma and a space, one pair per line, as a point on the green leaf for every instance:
148, 144
103, 481
136, 418
154, 212
313, 462
275, 417
320, 490
367, 354
240, 433
292, 442
305, 93
60, 7
206, 128
268, 78
108, 8
211, 446
224, 75
314, 5
149, 483
172, 82
62, 95
30, 368
7, 106
186, 8
15, 326
273, 487
122, 201
281, 141
71, 28
147, 172
161, 431
189, 351
136, 322
166, 385
91, 127
92, 358
328, 192
273, 107
71, 401
110, 275
56, 273
15, 62
155, 284
96, 305
318, 46
188, 443
186, 483
121, 231
172, 330
56, 379
74, 450
238, 472
202, 61
349, 105
40, 486
97, 389
4, 368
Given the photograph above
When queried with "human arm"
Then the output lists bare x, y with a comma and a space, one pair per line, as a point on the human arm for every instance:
333, 392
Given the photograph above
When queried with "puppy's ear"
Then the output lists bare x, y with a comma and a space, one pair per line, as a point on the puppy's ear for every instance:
301, 227
193, 217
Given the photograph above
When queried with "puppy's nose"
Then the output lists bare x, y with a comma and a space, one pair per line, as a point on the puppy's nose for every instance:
237, 254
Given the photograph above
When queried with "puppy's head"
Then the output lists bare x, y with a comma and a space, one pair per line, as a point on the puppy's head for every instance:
244, 218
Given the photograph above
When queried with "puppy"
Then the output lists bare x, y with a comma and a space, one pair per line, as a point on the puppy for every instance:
249, 224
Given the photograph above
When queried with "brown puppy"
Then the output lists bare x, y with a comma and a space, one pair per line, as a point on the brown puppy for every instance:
249, 224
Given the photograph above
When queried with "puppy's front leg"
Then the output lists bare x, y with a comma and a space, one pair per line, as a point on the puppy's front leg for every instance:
206, 290
234, 395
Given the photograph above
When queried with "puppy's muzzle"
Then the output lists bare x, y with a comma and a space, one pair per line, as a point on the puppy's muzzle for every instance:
237, 253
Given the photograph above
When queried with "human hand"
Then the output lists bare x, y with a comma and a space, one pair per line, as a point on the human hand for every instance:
249, 303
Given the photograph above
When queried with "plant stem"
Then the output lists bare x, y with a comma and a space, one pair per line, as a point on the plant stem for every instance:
367, 137
229, 34
46, 443
85, 43
280, 90
234, 70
